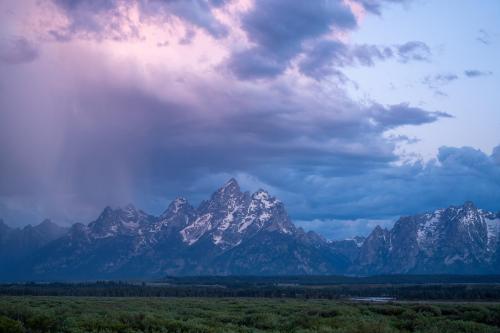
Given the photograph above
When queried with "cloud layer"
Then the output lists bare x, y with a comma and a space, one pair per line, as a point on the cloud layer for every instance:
141, 101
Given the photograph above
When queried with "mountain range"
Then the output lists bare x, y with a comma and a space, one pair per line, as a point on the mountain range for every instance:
239, 233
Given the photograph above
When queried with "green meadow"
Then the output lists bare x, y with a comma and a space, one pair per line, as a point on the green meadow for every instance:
87, 314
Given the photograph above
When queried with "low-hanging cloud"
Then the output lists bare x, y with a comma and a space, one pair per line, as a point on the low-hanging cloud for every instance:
109, 143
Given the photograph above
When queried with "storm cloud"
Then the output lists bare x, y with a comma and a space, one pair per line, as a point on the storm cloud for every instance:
103, 116
279, 29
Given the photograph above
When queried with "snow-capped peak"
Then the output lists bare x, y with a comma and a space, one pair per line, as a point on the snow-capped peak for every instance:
231, 215
130, 211
263, 197
126, 220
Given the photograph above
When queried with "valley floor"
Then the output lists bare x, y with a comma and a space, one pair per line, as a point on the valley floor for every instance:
86, 314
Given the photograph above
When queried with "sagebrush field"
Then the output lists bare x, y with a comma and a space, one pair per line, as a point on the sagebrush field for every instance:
85, 314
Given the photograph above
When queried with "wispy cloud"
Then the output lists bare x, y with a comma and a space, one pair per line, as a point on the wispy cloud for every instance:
472, 73
327, 57
483, 37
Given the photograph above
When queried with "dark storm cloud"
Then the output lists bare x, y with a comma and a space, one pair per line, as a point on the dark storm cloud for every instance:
255, 63
108, 143
472, 73
96, 131
106, 19
17, 50
457, 175
279, 28
381, 196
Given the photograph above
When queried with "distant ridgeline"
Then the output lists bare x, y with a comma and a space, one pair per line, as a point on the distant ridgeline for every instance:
237, 233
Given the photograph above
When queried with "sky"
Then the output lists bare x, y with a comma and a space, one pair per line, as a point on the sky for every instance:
352, 112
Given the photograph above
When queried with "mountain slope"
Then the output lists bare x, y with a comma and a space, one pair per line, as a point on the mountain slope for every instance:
18, 244
233, 232
462, 239
241, 233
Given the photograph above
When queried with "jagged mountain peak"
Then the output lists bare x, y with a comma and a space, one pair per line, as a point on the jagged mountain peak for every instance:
177, 216
47, 222
465, 216
236, 232
119, 221
230, 189
106, 214
48, 226
379, 230
469, 205
227, 198
176, 206
260, 193
456, 239
232, 215
180, 201
127, 212
265, 197
78, 228
129, 208
231, 183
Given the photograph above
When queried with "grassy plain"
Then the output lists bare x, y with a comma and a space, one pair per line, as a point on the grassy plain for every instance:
138, 314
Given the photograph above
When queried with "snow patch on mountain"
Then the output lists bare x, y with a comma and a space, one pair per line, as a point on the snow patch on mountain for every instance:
193, 232
493, 231
230, 216
178, 204
358, 240
427, 232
